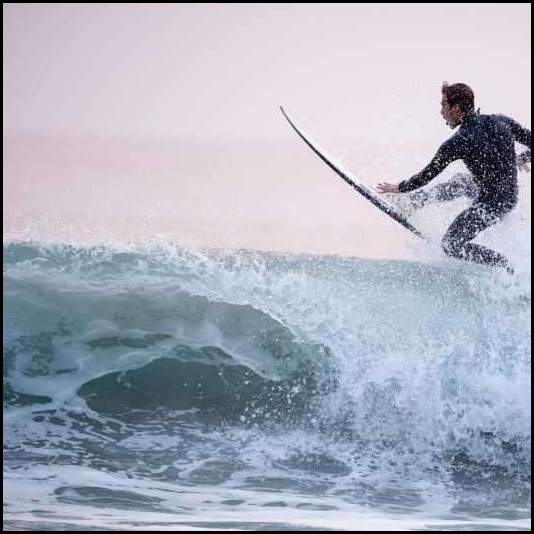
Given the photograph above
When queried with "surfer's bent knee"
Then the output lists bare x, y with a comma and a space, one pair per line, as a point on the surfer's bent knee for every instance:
452, 247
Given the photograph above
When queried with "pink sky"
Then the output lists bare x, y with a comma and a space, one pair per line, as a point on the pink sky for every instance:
196, 88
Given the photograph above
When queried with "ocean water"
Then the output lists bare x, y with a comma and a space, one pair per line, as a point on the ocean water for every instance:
161, 388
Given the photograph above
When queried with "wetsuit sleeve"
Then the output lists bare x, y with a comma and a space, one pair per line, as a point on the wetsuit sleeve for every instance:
521, 135
447, 153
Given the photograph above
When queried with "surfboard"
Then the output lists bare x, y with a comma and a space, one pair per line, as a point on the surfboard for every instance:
356, 184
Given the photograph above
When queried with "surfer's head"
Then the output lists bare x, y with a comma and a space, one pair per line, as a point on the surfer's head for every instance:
457, 100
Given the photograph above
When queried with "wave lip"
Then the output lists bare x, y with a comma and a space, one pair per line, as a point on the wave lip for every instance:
396, 356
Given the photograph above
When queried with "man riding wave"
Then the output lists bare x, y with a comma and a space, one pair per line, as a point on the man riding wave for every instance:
485, 143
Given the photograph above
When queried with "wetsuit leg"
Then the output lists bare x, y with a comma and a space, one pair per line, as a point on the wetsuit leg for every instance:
460, 185
469, 224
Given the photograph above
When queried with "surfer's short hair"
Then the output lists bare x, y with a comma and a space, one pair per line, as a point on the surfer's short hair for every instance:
459, 94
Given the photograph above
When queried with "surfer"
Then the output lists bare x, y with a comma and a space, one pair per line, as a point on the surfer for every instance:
485, 143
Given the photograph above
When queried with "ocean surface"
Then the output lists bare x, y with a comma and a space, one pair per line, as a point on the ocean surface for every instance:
159, 388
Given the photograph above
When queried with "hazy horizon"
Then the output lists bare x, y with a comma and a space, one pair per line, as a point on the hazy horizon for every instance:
161, 121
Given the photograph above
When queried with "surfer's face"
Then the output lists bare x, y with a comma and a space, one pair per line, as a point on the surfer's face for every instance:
452, 114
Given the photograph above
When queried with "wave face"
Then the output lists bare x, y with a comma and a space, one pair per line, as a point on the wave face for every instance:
345, 374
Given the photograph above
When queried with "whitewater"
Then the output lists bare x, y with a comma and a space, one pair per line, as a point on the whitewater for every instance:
163, 388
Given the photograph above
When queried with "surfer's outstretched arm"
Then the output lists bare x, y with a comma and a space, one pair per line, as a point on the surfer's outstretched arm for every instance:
447, 153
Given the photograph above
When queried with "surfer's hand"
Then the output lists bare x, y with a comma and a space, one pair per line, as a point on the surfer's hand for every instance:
386, 187
523, 161
523, 166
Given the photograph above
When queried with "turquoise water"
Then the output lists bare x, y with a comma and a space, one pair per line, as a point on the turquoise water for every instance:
163, 388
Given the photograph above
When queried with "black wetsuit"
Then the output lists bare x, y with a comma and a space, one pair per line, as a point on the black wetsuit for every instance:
485, 143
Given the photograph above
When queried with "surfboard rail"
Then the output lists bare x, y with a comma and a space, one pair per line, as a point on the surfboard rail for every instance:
360, 187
